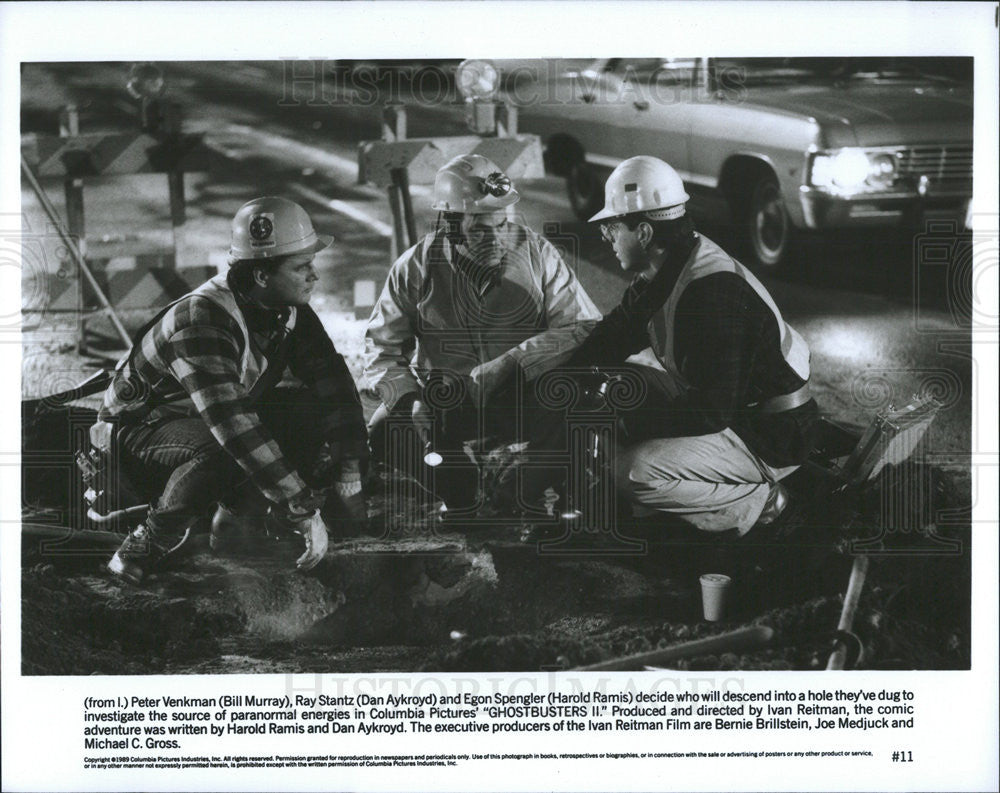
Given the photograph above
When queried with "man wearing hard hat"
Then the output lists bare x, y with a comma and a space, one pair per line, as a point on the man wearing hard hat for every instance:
479, 304
732, 413
194, 410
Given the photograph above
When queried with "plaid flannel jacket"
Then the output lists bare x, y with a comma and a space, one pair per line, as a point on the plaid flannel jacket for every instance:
189, 364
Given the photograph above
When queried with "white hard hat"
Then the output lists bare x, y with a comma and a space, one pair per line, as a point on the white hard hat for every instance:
472, 183
643, 184
271, 226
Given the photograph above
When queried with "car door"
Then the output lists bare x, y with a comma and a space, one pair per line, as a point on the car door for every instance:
583, 104
661, 116
606, 113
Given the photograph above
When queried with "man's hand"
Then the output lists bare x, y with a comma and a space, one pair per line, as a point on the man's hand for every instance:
486, 378
313, 530
304, 504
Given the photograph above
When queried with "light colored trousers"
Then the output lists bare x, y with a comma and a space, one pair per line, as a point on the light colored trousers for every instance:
714, 482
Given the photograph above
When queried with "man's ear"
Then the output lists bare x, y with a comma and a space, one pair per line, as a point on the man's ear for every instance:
645, 234
260, 276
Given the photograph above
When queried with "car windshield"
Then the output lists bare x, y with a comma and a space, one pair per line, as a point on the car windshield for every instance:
757, 71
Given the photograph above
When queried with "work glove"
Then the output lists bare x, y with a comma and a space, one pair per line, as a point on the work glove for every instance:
313, 531
301, 515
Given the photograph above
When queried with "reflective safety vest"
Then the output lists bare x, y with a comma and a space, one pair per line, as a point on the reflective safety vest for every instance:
253, 363
709, 258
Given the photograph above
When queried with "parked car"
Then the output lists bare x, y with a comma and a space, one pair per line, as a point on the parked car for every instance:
789, 143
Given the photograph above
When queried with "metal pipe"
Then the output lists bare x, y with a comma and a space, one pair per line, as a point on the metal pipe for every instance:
74, 250
100, 520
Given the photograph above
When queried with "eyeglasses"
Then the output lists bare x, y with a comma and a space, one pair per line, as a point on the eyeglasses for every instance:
609, 231
479, 233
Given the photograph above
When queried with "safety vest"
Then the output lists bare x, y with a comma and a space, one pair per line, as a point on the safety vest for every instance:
708, 259
253, 364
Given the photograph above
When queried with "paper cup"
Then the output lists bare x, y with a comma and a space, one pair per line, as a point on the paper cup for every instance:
714, 588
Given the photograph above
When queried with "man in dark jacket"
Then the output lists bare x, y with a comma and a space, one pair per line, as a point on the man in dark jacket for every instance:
730, 414
195, 414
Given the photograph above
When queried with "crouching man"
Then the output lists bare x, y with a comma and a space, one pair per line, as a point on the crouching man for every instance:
731, 415
478, 306
195, 413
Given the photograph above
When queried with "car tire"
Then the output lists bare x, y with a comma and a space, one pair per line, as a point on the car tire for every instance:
585, 189
767, 227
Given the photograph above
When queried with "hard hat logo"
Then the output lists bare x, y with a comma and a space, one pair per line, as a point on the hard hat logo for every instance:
261, 229
632, 198
273, 226
497, 184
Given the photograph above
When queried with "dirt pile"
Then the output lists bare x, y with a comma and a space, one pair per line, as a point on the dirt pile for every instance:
479, 598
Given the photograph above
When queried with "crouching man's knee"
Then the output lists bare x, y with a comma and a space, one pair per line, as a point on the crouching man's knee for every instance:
641, 476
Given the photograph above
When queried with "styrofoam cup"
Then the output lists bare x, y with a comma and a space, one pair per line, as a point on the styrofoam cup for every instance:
714, 589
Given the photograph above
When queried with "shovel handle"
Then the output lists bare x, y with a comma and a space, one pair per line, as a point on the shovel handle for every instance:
855, 585
741, 639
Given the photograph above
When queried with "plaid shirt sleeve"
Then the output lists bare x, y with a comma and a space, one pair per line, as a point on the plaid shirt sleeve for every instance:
203, 356
315, 361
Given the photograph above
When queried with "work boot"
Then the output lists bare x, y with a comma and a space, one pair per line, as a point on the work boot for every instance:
140, 553
776, 504
778, 521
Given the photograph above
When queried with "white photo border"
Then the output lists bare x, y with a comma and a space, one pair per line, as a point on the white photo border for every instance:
40, 727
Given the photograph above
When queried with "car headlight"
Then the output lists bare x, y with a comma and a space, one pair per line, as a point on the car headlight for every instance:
477, 80
853, 170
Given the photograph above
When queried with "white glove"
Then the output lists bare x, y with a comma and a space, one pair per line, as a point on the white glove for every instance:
313, 530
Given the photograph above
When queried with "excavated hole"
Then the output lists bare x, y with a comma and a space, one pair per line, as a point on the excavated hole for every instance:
480, 602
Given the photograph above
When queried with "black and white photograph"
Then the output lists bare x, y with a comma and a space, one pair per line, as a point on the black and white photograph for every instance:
561, 368
393, 499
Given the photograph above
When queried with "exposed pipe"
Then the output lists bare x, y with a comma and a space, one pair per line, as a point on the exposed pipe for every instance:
100, 520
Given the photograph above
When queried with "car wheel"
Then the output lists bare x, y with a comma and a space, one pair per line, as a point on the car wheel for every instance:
585, 189
768, 229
